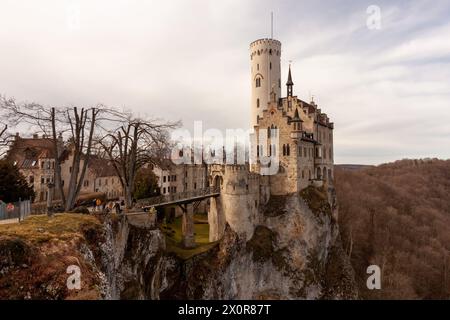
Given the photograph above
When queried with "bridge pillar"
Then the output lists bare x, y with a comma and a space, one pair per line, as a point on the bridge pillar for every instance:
187, 227
216, 219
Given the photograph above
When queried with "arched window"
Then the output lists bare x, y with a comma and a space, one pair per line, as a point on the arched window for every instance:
257, 103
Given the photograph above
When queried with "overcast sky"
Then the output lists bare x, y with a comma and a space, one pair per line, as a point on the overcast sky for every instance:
387, 89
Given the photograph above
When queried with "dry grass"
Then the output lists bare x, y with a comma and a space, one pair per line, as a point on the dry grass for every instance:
35, 254
38, 229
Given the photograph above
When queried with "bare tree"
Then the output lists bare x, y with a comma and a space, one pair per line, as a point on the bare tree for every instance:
137, 142
78, 125
3, 139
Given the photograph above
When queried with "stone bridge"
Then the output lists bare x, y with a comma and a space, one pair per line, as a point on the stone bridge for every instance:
188, 201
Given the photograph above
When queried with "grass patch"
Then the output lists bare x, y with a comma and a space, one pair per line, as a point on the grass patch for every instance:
174, 236
38, 229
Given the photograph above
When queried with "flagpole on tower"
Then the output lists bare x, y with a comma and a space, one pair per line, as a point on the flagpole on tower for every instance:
271, 25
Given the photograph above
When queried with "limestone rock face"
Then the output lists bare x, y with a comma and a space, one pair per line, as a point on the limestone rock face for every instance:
294, 253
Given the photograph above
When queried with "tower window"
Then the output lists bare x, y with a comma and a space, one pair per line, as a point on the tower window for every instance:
270, 66
258, 82
257, 103
257, 67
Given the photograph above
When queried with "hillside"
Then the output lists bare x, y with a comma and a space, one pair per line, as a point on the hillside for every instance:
397, 216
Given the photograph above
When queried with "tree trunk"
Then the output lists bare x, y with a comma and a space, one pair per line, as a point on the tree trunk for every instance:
58, 180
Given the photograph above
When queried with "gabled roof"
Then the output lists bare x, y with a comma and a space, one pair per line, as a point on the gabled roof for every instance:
26, 151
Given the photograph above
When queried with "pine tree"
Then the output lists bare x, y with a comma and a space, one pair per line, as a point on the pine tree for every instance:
13, 185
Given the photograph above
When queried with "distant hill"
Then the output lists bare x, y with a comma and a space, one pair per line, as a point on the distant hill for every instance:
397, 216
352, 167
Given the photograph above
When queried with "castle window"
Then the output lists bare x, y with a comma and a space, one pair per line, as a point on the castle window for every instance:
303, 174
284, 149
305, 152
258, 82
270, 51
257, 66
246, 187
164, 190
257, 103
270, 66
195, 185
268, 132
288, 150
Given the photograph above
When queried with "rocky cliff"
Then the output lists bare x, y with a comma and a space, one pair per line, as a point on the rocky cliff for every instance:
295, 253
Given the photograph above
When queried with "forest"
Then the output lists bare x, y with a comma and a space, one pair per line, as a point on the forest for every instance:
397, 216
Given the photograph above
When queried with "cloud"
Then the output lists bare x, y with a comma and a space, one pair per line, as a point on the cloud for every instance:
386, 90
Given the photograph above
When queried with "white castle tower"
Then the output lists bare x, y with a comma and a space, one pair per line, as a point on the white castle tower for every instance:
265, 57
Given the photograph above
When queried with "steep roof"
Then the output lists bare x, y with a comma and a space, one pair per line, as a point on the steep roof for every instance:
26, 152
289, 82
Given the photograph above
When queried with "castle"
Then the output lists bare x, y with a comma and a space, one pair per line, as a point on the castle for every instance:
303, 141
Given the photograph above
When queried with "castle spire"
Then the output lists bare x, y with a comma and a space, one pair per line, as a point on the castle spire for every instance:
289, 83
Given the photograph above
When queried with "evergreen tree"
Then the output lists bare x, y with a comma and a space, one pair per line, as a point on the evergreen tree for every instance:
13, 185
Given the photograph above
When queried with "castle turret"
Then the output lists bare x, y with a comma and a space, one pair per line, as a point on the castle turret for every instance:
265, 56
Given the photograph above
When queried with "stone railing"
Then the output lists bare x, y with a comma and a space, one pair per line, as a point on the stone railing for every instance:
178, 197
